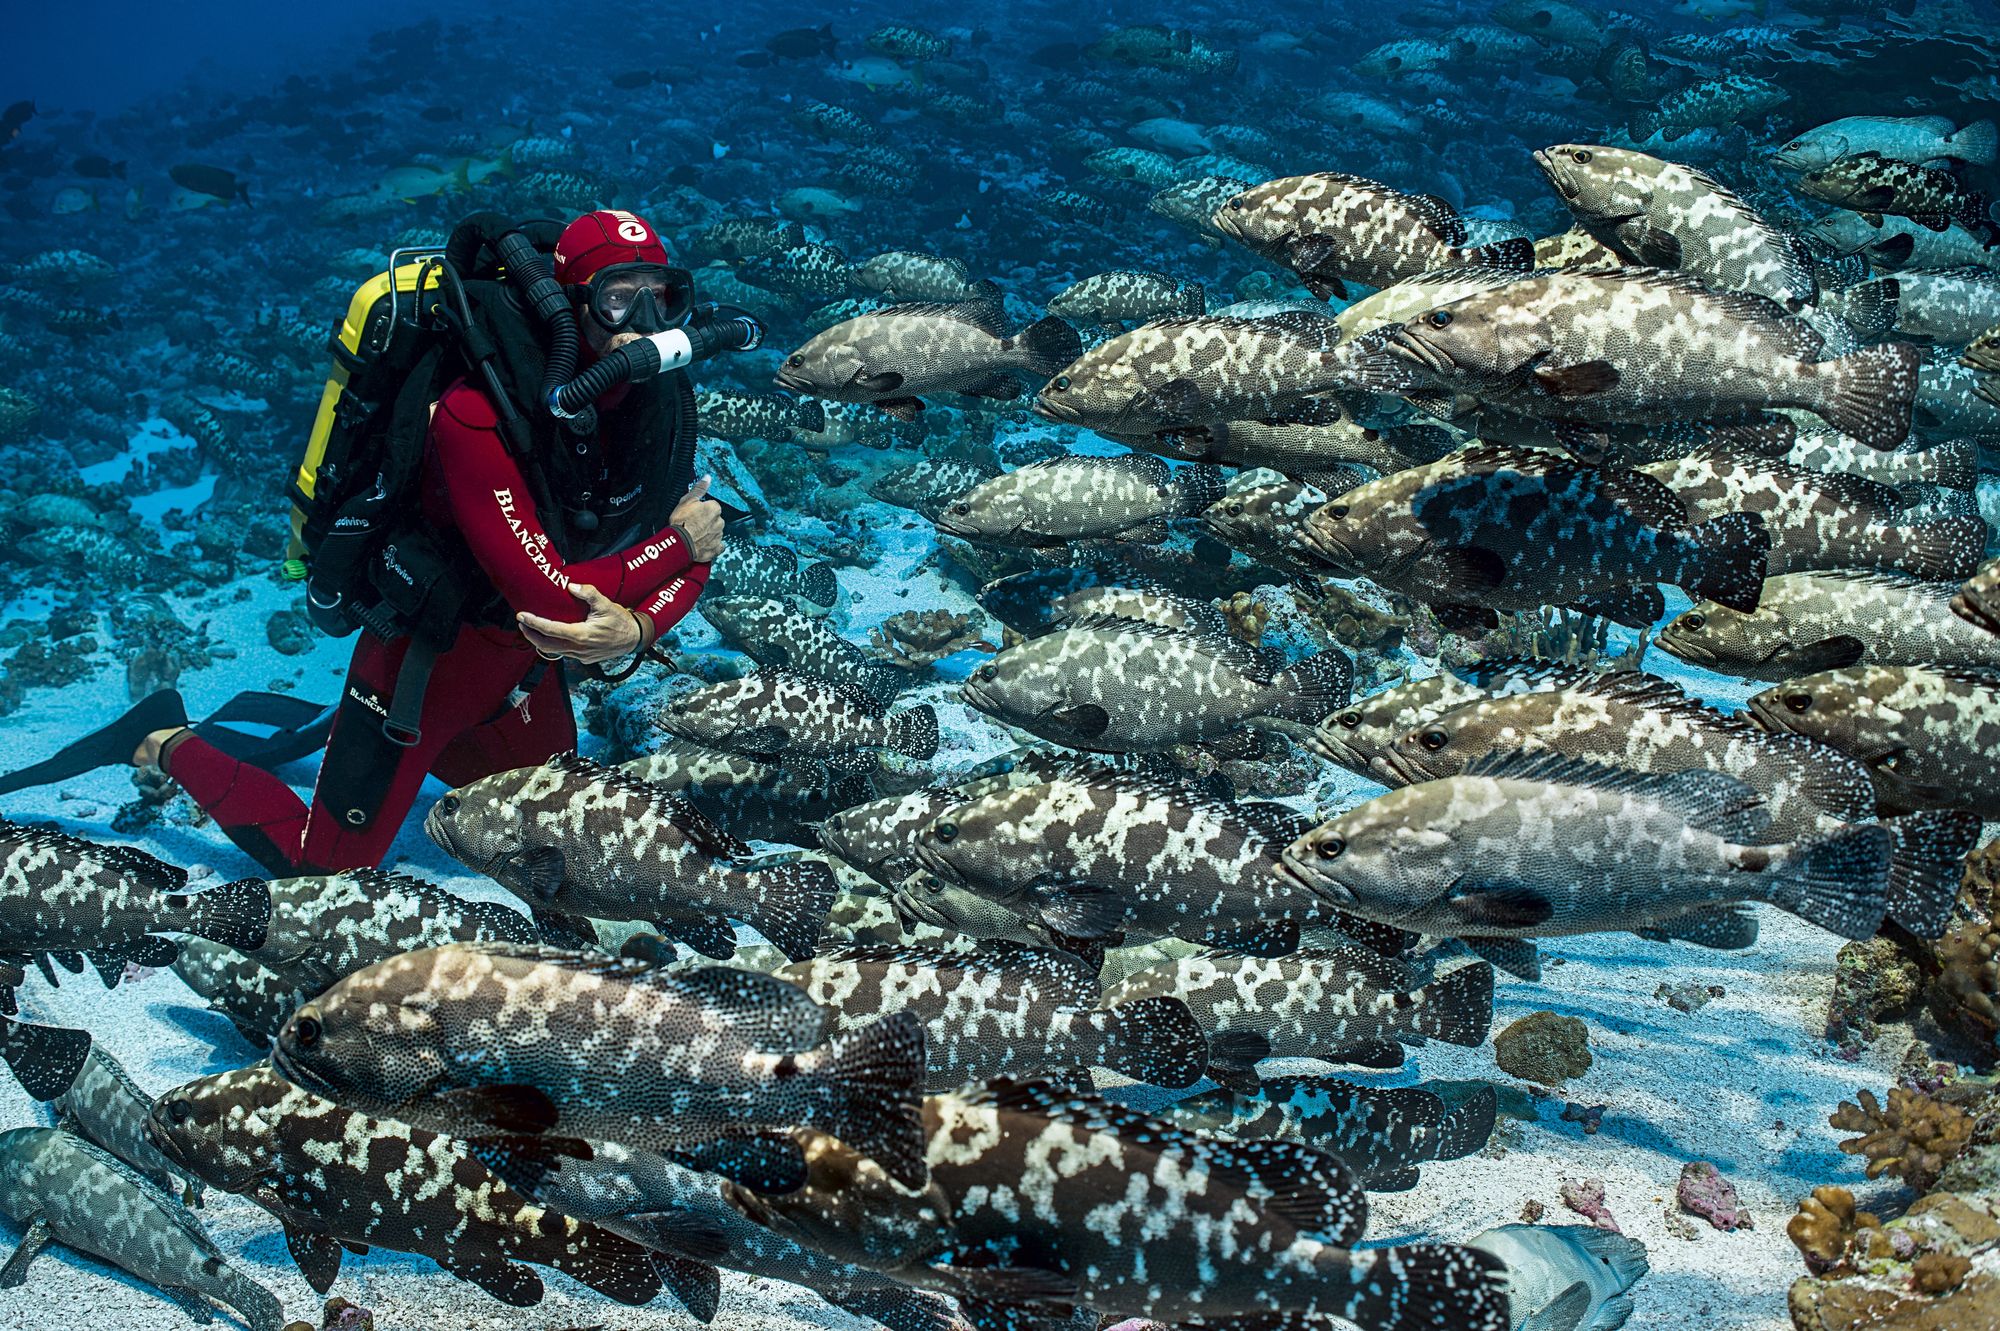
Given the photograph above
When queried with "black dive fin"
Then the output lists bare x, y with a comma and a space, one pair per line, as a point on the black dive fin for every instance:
108, 746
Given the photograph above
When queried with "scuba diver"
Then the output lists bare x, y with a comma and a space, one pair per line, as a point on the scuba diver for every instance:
574, 533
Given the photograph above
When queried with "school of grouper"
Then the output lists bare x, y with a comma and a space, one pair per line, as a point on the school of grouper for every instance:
885, 1104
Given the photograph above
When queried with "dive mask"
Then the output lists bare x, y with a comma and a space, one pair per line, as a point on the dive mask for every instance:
643, 297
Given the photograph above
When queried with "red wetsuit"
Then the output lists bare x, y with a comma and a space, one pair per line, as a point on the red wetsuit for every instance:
473, 724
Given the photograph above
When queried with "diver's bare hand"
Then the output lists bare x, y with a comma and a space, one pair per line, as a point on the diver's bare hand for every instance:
700, 520
606, 632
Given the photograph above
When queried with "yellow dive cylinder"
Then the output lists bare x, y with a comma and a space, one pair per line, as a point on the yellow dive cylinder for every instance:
362, 335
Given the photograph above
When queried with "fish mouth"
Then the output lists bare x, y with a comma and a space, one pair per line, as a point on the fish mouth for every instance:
1559, 177
793, 381
1407, 773
1062, 413
1692, 653
1328, 891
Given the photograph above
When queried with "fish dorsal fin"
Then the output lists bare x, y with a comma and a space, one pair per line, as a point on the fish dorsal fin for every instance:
1074, 980
1239, 656
1941, 592
1143, 785
980, 314
701, 831
1439, 217
1306, 325
1844, 486
1501, 671
1633, 686
1277, 822
1798, 271
1978, 677
776, 1017
378, 882
1736, 304
1651, 501
848, 693
1385, 973
1149, 468
1309, 1188
1712, 801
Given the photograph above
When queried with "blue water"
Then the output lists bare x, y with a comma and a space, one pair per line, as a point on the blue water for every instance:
162, 352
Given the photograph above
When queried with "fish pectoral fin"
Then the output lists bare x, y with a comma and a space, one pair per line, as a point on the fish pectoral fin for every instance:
1263, 939
1467, 568
560, 930
1303, 253
713, 937
1002, 386
1517, 956
1563, 1313
1379, 1054
683, 1231
1439, 402
1393, 1180
886, 382
512, 1108
1836, 652
30, 1247
1454, 617
1509, 906
1233, 1057
1634, 607
540, 869
526, 1163
317, 1255
760, 741
1176, 399
510, 1282
1078, 909
1590, 378
1086, 720
358, 1249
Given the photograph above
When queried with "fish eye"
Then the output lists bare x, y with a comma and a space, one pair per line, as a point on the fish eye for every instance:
1060, 383
1338, 512
988, 672
1236, 205
1330, 848
1351, 720
306, 1033
1433, 740
961, 508
1799, 701
947, 831
1580, 156
179, 1111
1694, 621
448, 805
1438, 318
795, 359
1233, 509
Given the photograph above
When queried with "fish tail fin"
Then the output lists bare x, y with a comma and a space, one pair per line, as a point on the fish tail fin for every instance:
1728, 558
1198, 486
1840, 883
1978, 143
611, 1264
44, 1059
1422, 1287
1516, 254
1955, 464
1869, 308
1193, 297
817, 582
1458, 1008
1467, 1128
1153, 1040
876, 1075
792, 905
1869, 395
1926, 862
1941, 549
1314, 688
261, 1309
987, 292
1048, 344
235, 915
914, 733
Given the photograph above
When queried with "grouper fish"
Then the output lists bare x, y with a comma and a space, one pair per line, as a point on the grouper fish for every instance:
712, 1065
